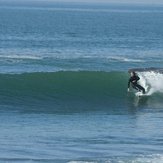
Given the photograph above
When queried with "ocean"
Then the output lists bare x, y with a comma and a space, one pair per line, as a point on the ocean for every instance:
63, 83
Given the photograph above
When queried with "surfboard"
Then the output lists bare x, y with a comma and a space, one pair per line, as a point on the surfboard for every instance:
140, 94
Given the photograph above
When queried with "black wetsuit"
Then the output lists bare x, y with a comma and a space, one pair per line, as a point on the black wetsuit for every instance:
134, 79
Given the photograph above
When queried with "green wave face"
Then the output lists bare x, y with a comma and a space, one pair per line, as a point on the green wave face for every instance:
86, 84
65, 91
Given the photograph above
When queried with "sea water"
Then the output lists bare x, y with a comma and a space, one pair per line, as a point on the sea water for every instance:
63, 83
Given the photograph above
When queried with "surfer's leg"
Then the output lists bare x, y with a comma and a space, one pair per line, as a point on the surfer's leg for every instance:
135, 87
140, 88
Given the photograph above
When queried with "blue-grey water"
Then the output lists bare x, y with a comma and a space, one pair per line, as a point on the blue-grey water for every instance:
63, 83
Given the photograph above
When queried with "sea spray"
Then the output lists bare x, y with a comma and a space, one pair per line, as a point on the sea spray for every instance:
151, 81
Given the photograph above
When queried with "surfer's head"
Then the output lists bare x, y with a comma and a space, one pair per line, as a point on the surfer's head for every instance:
132, 73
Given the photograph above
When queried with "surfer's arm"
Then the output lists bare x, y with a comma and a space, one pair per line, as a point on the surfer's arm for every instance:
129, 81
137, 78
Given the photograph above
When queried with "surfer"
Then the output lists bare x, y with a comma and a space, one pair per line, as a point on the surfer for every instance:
133, 80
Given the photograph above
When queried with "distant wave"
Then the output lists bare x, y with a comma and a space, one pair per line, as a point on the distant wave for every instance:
14, 56
124, 59
77, 56
80, 9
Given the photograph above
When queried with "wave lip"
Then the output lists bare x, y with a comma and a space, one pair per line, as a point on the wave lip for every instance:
149, 69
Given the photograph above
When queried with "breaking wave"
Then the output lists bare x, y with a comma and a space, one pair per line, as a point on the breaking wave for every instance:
75, 89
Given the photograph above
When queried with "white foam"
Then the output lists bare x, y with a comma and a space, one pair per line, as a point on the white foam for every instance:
20, 57
150, 159
125, 59
154, 158
151, 81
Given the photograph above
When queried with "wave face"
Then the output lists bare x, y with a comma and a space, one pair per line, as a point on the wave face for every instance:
72, 90
65, 83
63, 89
